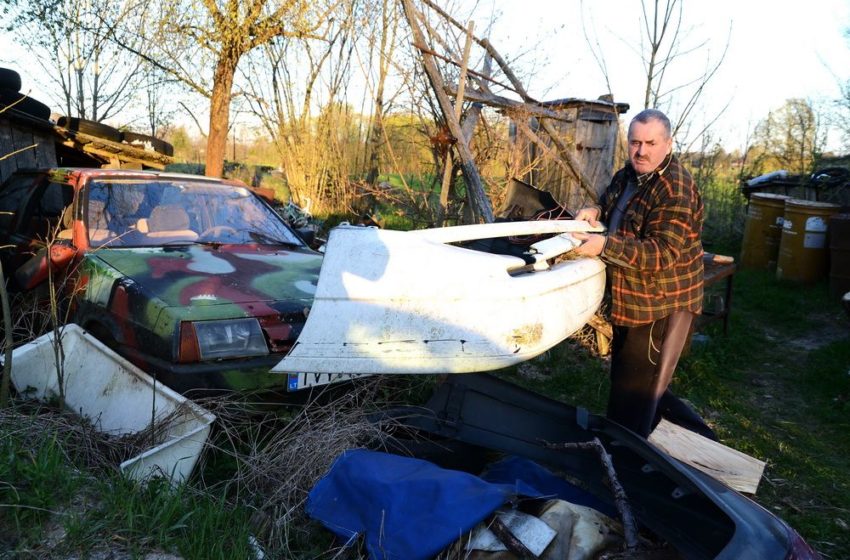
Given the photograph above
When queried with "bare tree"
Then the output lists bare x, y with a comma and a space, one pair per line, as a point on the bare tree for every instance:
667, 45
201, 44
73, 42
386, 35
297, 90
792, 137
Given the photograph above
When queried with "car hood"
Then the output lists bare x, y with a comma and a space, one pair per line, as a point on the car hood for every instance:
194, 275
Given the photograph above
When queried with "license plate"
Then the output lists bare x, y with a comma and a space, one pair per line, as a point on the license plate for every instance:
298, 381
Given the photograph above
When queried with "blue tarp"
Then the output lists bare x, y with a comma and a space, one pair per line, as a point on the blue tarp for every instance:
409, 509
512, 470
406, 509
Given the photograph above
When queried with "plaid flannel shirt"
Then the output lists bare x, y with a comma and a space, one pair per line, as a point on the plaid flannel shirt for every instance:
656, 252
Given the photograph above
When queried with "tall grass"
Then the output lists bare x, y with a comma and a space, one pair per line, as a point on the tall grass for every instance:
725, 212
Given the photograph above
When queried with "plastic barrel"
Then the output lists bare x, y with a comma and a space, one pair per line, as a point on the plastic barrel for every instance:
839, 255
803, 250
763, 231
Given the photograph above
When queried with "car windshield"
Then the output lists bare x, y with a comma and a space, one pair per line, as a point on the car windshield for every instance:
144, 213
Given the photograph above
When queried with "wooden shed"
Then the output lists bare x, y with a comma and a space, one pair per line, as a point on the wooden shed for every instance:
589, 130
30, 141
25, 142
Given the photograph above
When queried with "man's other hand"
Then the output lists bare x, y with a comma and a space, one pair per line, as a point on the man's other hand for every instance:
592, 244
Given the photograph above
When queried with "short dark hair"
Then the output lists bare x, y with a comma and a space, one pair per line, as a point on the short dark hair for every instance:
654, 115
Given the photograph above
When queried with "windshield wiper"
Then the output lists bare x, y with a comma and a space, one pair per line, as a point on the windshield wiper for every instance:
270, 240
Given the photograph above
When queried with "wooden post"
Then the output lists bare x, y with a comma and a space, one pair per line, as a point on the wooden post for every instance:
447, 168
482, 207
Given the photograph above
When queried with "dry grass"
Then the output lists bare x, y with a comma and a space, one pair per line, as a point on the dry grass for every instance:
279, 456
81, 440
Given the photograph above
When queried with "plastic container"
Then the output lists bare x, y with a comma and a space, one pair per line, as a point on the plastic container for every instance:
763, 231
803, 250
119, 398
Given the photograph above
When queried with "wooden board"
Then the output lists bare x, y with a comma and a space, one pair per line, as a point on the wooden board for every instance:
737, 470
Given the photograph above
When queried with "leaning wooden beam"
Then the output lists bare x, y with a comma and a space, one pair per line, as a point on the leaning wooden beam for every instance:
449, 18
482, 205
473, 115
453, 62
500, 102
563, 149
447, 167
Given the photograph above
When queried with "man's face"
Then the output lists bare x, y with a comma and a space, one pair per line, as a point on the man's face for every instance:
648, 145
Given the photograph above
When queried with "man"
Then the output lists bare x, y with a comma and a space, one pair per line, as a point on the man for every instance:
654, 255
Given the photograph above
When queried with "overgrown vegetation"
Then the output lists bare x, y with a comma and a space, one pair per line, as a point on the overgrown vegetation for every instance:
776, 387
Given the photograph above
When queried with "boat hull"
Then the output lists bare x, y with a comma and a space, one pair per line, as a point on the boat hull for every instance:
410, 302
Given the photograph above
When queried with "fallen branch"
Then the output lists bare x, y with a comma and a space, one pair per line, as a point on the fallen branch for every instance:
513, 544
629, 526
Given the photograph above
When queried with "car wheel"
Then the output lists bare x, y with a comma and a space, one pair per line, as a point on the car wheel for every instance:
9, 79
24, 104
91, 128
141, 140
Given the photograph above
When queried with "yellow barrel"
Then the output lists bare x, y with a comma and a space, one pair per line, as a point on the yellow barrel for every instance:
839, 255
803, 250
762, 231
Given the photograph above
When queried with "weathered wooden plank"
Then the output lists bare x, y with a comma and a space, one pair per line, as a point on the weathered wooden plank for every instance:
7, 164
45, 152
23, 140
737, 470
500, 102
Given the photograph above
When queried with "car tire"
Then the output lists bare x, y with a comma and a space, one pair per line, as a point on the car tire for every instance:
158, 145
9, 79
92, 128
24, 104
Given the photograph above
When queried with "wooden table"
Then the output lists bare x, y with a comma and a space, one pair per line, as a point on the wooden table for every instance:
718, 268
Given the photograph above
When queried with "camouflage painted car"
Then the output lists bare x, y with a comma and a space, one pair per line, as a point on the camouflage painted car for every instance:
195, 280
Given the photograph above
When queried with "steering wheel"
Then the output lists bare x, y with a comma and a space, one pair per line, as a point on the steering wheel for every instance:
220, 231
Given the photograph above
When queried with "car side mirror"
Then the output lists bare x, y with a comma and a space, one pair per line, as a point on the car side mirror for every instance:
35, 271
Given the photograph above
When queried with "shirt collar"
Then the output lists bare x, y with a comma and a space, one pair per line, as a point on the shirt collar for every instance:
645, 178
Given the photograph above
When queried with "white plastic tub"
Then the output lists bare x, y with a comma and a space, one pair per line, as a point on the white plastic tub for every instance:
118, 398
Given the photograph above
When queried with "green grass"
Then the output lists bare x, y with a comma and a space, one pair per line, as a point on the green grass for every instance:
51, 504
420, 183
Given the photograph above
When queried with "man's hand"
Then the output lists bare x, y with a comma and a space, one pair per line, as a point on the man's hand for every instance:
592, 244
590, 214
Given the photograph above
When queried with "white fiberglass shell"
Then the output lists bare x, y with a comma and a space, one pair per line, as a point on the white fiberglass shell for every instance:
118, 398
408, 302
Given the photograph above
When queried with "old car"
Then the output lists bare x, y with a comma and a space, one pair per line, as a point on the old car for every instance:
472, 420
195, 280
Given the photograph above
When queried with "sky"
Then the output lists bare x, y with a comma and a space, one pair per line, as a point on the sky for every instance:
777, 50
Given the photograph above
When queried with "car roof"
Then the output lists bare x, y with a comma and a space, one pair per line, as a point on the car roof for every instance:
99, 172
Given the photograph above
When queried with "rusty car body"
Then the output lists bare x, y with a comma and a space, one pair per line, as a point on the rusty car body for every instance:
195, 280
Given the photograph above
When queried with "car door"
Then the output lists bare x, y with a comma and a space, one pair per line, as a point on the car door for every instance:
15, 195
31, 210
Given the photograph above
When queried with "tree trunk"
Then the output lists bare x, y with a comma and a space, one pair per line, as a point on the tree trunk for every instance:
220, 115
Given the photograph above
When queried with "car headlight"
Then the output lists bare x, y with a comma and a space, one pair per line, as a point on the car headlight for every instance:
231, 338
